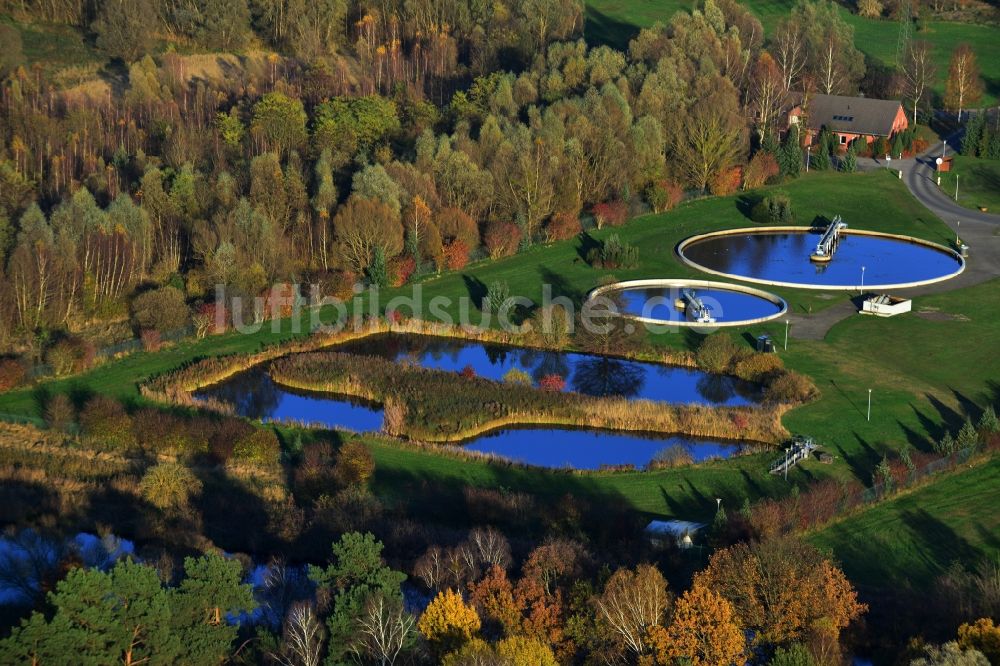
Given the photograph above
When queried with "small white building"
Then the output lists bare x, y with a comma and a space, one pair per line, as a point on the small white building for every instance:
884, 305
681, 532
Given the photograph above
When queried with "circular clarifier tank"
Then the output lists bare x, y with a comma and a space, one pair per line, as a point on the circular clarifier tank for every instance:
692, 302
781, 256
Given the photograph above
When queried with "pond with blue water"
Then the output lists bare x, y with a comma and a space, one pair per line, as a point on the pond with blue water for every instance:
254, 394
589, 374
859, 261
593, 449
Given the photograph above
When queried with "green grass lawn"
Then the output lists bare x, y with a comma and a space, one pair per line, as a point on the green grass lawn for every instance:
978, 182
915, 537
614, 22
56, 47
912, 399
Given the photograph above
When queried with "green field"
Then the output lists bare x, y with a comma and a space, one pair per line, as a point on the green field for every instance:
978, 182
614, 22
913, 538
912, 399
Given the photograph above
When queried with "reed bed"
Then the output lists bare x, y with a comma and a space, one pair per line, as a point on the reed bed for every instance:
440, 406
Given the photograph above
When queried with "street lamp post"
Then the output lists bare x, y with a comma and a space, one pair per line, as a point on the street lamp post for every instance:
786, 334
944, 149
869, 404
956, 187
958, 235
787, 449
863, 278
808, 155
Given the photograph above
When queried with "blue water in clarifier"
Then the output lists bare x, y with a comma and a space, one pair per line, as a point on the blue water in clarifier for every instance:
584, 373
784, 257
255, 395
590, 449
724, 304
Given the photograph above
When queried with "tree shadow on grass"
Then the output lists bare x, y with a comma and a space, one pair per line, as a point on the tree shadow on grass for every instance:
847, 397
561, 287
939, 543
587, 244
477, 289
863, 461
952, 419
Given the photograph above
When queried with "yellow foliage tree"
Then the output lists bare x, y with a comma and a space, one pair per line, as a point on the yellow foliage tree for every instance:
525, 651
703, 631
981, 635
448, 622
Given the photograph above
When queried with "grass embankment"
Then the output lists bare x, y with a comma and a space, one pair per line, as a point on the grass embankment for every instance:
438, 406
912, 539
978, 182
615, 22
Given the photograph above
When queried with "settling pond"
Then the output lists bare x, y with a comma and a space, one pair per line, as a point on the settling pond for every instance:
781, 257
725, 305
254, 395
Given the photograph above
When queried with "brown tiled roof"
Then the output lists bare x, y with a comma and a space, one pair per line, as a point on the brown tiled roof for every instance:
856, 115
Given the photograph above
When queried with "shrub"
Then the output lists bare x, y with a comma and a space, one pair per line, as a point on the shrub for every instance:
762, 168
775, 208
354, 465
664, 195
59, 412
757, 367
169, 486
280, 300
517, 376
393, 416
849, 162
401, 268
880, 147
69, 355
103, 421
726, 181
151, 340
988, 422
497, 295
261, 447
967, 438
611, 213
224, 435
456, 255
790, 387
468, 372
501, 239
161, 309
12, 373
552, 383
614, 253
716, 352
562, 226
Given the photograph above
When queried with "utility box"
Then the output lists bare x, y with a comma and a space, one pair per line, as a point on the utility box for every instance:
765, 343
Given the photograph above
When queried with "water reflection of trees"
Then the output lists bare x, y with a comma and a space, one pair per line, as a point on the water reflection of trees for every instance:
252, 393
717, 389
602, 376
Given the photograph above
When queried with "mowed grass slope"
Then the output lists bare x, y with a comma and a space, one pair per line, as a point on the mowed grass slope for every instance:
978, 182
615, 22
915, 537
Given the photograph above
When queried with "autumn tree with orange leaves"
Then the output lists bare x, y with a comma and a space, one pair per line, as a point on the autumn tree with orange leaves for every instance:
704, 631
783, 590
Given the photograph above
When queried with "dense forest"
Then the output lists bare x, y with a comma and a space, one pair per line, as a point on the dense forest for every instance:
374, 142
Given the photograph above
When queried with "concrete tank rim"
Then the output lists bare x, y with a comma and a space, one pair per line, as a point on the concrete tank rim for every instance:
624, 285
690, 240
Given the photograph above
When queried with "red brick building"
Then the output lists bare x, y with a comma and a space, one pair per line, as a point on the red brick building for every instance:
846, 117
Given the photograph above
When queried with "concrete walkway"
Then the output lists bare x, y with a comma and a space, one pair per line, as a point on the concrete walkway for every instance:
980, 231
